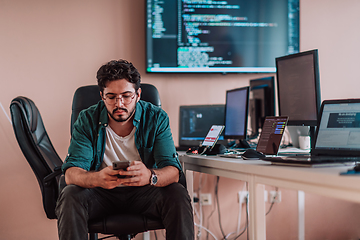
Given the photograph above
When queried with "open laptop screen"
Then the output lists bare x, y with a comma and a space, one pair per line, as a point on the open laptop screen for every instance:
339, 126
271, 135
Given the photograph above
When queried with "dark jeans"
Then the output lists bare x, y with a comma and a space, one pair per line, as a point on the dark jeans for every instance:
76, 205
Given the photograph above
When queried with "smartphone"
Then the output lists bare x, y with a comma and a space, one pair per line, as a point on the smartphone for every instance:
212, 136
121, 165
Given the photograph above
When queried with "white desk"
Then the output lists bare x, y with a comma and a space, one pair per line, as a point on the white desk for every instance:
324, 181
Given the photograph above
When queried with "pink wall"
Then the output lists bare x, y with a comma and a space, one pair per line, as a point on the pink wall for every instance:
49, 48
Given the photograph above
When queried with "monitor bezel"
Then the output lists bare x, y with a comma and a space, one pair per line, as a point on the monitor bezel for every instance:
244, 136
298, 122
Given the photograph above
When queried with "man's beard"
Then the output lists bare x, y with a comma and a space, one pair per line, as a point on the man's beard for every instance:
120, 119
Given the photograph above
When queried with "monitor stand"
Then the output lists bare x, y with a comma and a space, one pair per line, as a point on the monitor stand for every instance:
312, 137
243, 144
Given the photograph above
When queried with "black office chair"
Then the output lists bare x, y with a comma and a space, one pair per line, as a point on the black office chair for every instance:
85, 97
37, 149
46, 164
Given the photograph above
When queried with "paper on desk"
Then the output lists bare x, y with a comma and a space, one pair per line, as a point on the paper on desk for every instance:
293, 150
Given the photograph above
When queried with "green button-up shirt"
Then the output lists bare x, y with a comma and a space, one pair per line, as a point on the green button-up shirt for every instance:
153, 138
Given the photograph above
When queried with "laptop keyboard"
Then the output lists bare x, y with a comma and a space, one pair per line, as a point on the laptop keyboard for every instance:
315, 159
335, 158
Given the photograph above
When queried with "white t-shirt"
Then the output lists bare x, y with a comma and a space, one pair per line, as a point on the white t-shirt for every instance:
119, 148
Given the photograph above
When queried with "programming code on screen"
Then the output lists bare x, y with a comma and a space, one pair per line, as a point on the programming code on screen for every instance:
237, 35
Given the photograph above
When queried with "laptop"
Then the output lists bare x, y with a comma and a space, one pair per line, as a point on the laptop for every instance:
337, 137
270, 137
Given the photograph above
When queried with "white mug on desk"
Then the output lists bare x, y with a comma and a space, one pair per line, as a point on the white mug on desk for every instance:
304, 142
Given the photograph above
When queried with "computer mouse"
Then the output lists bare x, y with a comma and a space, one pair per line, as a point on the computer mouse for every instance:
251, 154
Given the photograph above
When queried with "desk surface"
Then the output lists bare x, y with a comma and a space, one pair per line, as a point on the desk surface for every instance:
320, 180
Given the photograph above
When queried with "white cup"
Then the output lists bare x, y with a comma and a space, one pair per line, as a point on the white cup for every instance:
304, 142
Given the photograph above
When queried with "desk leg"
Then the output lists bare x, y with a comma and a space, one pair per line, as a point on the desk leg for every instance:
301, 215
146, 235
257, 223
190, 184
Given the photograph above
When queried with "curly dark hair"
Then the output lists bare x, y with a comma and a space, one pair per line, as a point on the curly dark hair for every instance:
115, 70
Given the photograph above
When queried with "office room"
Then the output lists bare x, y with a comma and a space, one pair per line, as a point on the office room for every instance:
50, 48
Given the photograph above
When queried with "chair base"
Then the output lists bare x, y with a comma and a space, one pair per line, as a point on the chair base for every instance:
124, 226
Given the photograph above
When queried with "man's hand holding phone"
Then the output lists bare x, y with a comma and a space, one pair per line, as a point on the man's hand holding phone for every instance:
121, 166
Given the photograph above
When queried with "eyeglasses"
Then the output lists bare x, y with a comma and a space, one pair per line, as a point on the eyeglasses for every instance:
125, 98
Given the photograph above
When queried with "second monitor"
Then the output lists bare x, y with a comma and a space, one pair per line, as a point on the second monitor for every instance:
236, 115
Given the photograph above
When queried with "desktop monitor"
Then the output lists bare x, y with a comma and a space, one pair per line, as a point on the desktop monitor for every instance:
236, 115
261, 102
298, 86
195, 122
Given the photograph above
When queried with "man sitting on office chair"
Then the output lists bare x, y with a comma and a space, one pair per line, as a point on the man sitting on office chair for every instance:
122, 127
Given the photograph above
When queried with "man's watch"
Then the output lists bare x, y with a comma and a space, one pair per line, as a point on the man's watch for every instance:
153, 178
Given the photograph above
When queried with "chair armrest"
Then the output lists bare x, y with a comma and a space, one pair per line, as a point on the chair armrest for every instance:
62, 183
47, 180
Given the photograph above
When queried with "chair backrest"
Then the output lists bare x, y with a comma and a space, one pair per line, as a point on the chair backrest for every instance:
87, 96
149, 93
38, 150
84, 97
